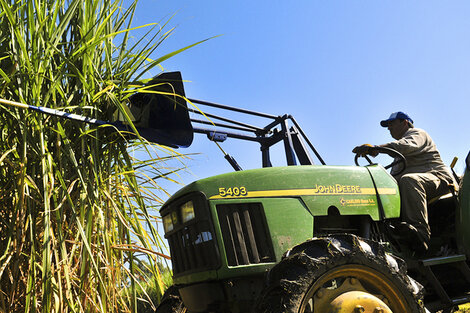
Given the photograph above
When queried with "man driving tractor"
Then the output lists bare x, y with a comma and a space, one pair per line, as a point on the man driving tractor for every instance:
425, 177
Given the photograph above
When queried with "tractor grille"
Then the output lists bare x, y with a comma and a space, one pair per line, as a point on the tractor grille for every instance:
192, 244
245, 234
193, 249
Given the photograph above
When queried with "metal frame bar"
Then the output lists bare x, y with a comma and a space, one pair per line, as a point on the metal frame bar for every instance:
295, 141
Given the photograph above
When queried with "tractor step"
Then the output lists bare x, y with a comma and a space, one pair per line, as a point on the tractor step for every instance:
458, 262
444, 260
460, 300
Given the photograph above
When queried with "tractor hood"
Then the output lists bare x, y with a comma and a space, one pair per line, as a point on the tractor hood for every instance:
348, 188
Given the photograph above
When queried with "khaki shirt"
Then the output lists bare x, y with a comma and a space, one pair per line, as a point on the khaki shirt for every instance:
421, 155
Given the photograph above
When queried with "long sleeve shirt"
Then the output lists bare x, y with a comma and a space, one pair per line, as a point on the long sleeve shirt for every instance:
421, 155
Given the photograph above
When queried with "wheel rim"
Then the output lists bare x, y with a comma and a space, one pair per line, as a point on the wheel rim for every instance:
353, 288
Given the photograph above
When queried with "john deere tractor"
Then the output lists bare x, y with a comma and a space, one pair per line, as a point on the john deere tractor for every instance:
304, 237
298, 238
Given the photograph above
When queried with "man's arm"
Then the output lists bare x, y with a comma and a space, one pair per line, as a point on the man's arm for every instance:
414, 140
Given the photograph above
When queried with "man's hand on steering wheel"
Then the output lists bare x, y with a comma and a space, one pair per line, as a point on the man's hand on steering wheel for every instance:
366, 149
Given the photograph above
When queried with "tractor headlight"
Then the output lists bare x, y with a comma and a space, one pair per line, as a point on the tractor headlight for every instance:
187, 211
169, 221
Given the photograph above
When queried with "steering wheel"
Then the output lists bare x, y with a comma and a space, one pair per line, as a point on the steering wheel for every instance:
397, 156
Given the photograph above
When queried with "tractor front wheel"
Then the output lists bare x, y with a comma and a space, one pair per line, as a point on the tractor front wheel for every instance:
343, 274
171, 302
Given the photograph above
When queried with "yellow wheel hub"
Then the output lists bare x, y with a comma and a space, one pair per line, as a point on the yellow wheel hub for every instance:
353, 288
358, 302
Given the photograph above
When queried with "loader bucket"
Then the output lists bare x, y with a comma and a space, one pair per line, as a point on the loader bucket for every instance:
161, 113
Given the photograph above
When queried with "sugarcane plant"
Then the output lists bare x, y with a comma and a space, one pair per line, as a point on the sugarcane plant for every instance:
76, 204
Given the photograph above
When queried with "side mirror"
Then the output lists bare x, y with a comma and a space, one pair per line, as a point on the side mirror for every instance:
161, 114
467, 162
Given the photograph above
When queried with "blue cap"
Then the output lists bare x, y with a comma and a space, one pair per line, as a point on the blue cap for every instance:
394, 116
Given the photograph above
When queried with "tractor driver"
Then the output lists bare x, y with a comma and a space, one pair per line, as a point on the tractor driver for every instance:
425, 176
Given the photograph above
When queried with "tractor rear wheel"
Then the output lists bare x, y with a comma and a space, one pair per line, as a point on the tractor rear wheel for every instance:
171, 302
340, 273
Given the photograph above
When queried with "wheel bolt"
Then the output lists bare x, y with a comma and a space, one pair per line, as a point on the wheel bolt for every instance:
359, 309
379, 310
320, 293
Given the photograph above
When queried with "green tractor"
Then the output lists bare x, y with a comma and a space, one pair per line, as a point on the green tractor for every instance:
307, 238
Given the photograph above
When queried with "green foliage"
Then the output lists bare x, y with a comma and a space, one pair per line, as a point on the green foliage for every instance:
148, 291
75, 205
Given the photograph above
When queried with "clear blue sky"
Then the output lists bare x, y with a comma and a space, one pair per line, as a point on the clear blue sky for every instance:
338, 67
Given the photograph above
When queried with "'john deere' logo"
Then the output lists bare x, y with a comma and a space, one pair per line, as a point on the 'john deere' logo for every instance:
337, 189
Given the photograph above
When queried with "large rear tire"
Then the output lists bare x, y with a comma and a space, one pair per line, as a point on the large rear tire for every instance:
340, 273
171, 302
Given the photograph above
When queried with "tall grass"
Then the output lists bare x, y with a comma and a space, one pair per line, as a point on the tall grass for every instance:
75, 205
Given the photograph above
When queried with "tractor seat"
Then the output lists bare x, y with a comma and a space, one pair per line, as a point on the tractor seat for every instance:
442, 214
452, 192
437, 199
